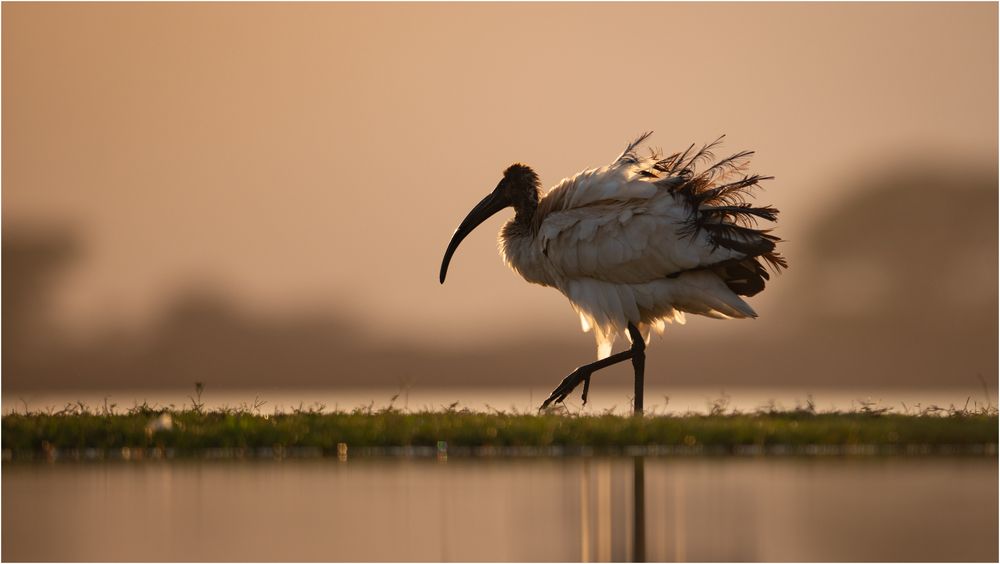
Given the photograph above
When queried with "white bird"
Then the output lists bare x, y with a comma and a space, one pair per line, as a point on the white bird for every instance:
636, 244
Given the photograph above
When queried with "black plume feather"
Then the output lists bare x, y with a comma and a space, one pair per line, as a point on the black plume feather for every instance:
628, 155
720, 209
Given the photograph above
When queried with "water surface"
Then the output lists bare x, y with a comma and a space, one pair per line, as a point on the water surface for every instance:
538, 509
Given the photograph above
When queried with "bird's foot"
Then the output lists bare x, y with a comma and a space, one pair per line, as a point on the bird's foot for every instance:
569, 383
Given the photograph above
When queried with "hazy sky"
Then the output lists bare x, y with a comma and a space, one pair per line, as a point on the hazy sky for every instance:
305, 154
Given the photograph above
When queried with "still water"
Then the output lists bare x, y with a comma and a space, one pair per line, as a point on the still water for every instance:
538, 509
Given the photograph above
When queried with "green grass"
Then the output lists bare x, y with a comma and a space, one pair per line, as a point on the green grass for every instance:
248, 432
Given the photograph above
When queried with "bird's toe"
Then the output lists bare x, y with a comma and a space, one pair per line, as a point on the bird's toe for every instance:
566, 387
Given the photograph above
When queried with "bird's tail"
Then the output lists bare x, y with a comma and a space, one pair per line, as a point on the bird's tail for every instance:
718, 196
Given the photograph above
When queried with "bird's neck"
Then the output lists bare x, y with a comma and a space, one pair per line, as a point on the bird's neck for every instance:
520, 225
524, 216
524, 208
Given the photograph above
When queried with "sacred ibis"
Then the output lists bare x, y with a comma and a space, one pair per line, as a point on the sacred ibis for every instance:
636, 244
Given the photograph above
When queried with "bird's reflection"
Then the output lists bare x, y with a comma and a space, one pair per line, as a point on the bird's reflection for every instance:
609, 530
639, 509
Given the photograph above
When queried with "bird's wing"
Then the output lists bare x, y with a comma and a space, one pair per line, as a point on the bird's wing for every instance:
646, 218
630, 241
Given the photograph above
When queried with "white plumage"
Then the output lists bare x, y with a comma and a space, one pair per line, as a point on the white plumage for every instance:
608, 239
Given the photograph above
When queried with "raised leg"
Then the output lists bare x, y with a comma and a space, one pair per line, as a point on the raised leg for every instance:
583, 373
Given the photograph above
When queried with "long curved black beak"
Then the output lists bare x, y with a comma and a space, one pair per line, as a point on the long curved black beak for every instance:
489, 205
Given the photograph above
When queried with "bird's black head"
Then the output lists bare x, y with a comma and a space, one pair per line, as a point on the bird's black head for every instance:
518, 188
521, 186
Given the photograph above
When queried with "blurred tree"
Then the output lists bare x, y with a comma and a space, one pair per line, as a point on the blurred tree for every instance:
33, 260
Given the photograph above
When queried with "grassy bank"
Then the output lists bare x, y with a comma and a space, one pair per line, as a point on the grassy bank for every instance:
247, 432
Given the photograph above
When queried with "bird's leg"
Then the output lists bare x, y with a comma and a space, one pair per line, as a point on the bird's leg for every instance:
638, 364
583, 373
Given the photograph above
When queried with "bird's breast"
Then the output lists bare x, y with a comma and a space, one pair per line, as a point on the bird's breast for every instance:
522, 252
